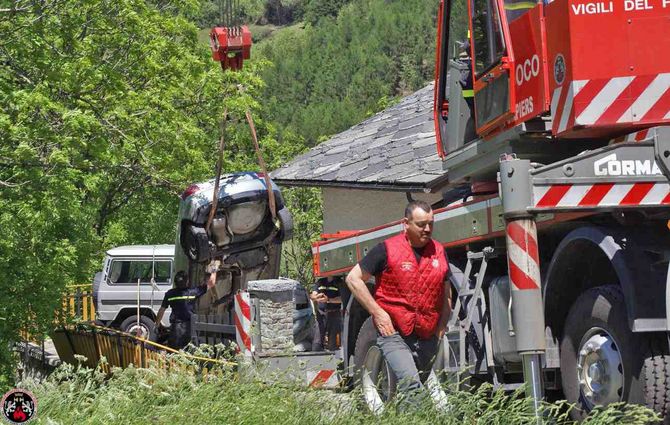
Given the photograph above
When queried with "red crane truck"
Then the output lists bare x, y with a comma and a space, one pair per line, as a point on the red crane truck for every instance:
561, 242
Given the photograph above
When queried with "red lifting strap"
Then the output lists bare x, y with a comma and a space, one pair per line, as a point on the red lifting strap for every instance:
230, 46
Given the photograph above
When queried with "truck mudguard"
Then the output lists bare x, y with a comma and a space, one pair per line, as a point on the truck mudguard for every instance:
592, 256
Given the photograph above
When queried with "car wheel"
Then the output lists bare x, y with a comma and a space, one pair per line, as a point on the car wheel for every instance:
376, 379
142, 329
195, 243
601, 359
286, 231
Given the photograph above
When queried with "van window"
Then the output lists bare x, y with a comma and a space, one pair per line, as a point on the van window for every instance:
128, 271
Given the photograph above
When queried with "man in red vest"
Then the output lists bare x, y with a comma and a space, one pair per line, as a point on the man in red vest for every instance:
412, 297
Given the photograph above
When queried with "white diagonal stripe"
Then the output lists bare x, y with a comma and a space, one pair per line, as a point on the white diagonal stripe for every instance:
243, 297
574, 89
616, 194
656, 194
667, 116
647, 99
603, 100
522, 260
554, 101
574, 195
539, 192
565, 114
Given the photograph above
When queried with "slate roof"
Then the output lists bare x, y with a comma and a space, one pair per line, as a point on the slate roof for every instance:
394, 150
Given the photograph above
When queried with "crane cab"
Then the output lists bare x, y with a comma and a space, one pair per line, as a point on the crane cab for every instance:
568, 69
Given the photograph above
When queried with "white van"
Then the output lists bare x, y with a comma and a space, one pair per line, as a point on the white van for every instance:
115, 289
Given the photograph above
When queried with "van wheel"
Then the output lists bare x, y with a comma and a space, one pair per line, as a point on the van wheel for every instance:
601, 358
141, 330
377, 380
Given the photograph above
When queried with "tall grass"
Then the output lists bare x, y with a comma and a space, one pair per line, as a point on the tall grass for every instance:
75, 395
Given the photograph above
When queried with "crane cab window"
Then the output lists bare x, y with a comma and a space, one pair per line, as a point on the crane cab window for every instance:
487, 35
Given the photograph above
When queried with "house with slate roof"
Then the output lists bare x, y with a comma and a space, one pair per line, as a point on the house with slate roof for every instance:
367, 172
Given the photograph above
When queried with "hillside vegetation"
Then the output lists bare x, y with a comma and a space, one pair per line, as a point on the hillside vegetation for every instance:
328, 76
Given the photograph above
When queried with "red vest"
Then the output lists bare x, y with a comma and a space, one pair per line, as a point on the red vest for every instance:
412, 294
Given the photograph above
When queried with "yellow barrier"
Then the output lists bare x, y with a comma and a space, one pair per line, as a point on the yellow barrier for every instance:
78, 303
118, 348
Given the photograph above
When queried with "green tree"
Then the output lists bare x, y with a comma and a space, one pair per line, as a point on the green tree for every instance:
108, 110
305, 206
329, 76
317, 9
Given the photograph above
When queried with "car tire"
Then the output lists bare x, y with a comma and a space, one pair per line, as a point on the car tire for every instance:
601, 359
376, 379
286, 220
130, 325
195, 243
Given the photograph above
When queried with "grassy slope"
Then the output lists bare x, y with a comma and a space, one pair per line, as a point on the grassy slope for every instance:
139, 396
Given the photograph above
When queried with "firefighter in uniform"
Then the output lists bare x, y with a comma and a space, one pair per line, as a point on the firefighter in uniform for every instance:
182, 300
412, 298
326, 293
467, 89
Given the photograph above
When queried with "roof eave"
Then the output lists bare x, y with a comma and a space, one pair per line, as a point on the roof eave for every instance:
427, 187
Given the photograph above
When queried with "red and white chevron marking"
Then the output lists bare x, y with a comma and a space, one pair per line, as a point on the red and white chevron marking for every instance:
325, 378
638, 136
523, 258
243, 322
631, 99
601, 195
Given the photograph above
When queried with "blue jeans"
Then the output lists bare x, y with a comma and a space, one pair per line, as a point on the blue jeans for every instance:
410, 359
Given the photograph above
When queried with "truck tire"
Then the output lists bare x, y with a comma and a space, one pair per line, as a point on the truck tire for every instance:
601, 359
130, 325
657, 377
376, 380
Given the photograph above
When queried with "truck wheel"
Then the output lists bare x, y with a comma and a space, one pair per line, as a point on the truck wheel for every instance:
601, 360
377, 381
143, 330
657, 377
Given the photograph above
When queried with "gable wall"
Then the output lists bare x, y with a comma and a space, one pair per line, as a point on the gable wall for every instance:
355, 209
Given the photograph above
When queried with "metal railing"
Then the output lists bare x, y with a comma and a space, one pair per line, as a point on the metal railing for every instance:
76, 335
118, 349
78, 303
76, 306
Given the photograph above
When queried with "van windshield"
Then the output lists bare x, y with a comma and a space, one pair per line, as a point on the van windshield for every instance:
128, 271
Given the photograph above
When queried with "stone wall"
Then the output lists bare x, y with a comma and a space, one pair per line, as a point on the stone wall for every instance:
274, 326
